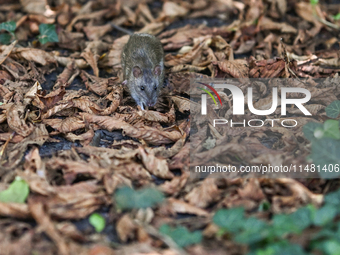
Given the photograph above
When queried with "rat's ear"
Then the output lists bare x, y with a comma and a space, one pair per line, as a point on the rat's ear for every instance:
157, 71
136, 71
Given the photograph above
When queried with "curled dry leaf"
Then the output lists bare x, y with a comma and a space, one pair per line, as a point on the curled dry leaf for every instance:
95, 84
168, 117
182, 104
148, 134
35, 55
235, 68
91, 58
16, 210
172, 9
96, 32
252, 190
72, 169
267, 68
205, 194
52, 98
64, 61
183, 207
174, 186
36, 207
126, 228
154, 165
16, 120
65, 125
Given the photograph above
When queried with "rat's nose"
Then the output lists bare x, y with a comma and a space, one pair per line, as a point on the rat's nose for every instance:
151, 103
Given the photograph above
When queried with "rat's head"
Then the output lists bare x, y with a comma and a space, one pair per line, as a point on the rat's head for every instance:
147, 83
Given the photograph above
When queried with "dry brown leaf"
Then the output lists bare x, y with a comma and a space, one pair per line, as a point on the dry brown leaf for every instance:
16, 120
65, 125
183, 207
126, 228
156, 166
148, 134
95, 84
205, 194
174, 186
235, 68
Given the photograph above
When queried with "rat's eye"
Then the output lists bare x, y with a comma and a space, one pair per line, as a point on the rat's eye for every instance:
155, 88
142, 87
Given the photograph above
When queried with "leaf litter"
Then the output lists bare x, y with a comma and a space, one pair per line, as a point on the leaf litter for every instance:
78, 142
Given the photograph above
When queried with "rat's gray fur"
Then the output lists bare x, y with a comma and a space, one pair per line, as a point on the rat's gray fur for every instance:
145, 52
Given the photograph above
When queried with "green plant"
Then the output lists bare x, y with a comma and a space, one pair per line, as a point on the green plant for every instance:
181, 235
17, 192
97, 221
314, 2
325, 140
270, 238
127, 198
10, 27
47, 33
336, 17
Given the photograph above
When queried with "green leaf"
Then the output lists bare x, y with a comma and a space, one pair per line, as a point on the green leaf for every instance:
331, 129
127, 198
17, 192
47, 33
265, 206
9, 26
309, 128
97, 221
181, 236
5, 38
283, 224
326, 153
336, 17
230, 219
333, 110
255, 230
302, 218
333, 198
329, 247
324, 215
314, 2
282, 249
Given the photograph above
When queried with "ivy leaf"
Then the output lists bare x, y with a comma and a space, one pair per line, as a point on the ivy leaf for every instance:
9, 26
302, 217
333, 198
324, 215
127, 198
281, 249
331, 129
329, 247
181, 236
17, 192
47, 33
309, 128
255, 230
97, 221
336, 17
326, 152
333, 109
230, 219
5, 38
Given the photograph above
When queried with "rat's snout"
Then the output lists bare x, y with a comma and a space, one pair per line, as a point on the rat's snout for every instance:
151, 103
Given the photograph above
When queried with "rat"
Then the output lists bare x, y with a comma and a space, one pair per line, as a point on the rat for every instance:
143, 67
